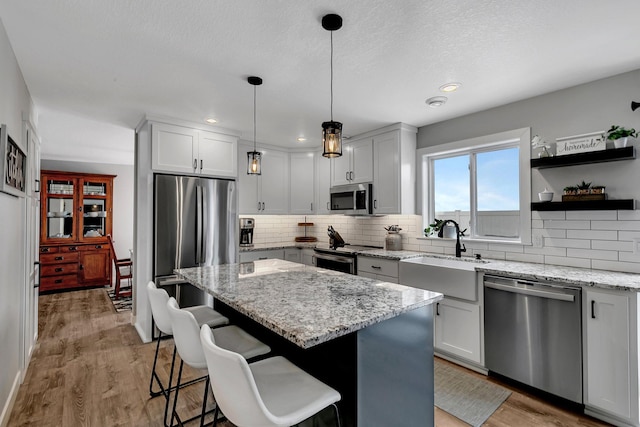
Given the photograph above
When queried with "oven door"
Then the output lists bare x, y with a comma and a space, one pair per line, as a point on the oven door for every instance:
335, 262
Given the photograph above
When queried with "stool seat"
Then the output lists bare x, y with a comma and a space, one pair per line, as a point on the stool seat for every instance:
205, 315
288, 392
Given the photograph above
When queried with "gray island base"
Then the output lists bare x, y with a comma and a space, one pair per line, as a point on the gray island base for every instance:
371, 340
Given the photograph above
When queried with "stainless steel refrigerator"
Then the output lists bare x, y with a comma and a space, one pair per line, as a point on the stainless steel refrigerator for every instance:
195, 224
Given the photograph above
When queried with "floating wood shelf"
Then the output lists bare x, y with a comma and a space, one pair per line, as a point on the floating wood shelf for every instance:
587, 205
601, 156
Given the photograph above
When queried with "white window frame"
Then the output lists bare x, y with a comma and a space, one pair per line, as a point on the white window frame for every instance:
517, 137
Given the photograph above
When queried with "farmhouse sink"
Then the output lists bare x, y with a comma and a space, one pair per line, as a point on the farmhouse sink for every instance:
452, 277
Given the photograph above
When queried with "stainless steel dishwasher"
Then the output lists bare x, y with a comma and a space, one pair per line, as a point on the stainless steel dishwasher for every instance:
533, 334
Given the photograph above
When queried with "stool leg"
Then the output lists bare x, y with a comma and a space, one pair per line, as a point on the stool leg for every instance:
175, 398
337, 414
204, 402
168, 391
154, 375
215, 416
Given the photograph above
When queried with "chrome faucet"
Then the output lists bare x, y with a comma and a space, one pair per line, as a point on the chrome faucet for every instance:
459, 248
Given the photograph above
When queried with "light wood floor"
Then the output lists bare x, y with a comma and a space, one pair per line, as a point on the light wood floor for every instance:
91, 369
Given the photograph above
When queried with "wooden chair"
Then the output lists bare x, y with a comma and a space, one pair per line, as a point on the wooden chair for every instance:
124, 270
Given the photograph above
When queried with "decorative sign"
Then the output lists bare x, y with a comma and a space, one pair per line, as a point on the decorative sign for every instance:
595, 141
13, 168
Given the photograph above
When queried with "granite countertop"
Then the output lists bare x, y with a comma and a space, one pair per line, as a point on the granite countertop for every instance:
560, 274
305, 304
394, 255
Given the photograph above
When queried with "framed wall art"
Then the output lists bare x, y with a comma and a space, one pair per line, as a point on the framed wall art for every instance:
13, 168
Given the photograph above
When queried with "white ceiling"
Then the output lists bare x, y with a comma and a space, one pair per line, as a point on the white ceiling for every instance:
94, 68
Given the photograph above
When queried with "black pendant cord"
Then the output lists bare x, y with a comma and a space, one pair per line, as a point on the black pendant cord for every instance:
254, 118
331, 32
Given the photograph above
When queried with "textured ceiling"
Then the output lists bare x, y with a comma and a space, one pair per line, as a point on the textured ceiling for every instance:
96, 67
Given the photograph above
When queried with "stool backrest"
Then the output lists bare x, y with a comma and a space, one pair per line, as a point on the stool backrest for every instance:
186, 335
233, 384
158, 299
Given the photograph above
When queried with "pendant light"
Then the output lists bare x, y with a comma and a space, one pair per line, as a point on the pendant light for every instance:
332, 131
254, 157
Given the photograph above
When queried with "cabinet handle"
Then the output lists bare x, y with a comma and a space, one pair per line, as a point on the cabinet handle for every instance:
80, 209
73, 248
377, 267
58, 281
37, 186
98, 246
437, 309
262, 258
311, 205
201, 164
259, 205
81, 267
59, 258
346, 176
195, 164
351, 176
44, 249
593, 309
328, 208
375, 204
59, 269
263, 206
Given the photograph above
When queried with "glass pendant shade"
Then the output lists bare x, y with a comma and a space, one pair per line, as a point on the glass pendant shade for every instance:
332, 139
253, 163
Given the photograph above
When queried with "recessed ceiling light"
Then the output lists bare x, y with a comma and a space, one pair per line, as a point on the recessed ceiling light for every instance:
211, 121
436, 101
450, 87
301, 139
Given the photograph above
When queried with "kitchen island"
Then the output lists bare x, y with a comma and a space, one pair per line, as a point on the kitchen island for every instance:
371, 340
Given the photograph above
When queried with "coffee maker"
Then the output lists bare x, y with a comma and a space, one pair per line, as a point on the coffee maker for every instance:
246, 232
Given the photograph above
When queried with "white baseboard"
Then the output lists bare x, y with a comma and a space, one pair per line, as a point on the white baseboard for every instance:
11, 399
141, 332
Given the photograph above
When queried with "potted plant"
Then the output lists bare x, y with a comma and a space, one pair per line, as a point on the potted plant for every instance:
597, 189
570, 190
619, 135
434, 228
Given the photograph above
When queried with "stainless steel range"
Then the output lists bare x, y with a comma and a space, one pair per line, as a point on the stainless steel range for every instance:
342, 259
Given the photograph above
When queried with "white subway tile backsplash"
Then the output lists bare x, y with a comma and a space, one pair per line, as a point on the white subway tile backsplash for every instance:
547, 215
612, 245
616, 225
629, 215
592, 215
569, 262
629, 257
567, 243
506, 247
553, 232
557, 252
592, 254
537, 223
537, 259
592, 234
579, 225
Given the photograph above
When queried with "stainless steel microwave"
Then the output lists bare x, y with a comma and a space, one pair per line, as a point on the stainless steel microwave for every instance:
352, 199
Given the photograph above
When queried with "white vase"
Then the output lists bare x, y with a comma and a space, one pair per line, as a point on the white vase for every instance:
620, 142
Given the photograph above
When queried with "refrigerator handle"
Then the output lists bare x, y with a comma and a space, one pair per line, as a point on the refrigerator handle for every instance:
198, 225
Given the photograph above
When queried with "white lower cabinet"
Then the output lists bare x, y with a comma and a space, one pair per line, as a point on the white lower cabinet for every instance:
292, 254
610, 364
261, 254
307, 256
457, 329
385, 270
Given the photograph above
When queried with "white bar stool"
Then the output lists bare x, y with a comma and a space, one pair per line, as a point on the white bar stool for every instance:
186, 335
203, 314
269, 393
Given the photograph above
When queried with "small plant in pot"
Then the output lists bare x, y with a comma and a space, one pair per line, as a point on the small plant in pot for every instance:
619, 135
597, 189
570, 190
583, 187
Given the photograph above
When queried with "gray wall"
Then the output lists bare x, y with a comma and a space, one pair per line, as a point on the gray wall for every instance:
577, 110
122, 197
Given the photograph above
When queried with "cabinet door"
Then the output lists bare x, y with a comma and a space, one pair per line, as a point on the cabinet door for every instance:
173, 148
58, 209
217, 154
608, 370
95, 267
247, 184
292, 254
274, 182
307, 256
94, 216
302, 183
457, 329
341, 167
361, 161
260, 255
323, 184
386, 173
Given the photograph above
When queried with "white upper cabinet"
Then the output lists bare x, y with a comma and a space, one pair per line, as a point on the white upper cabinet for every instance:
185, 150
394, 171
302, 183
267, 193
355, 166
323, 184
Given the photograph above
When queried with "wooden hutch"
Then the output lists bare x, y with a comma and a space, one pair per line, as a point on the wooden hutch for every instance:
76, 217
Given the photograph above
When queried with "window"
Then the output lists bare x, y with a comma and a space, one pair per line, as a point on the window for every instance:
483, 184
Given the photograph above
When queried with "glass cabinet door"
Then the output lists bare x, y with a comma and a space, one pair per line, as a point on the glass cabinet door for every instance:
60, 209
94, 209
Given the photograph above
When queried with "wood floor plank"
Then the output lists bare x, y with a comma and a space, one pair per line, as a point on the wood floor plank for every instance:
89, 368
